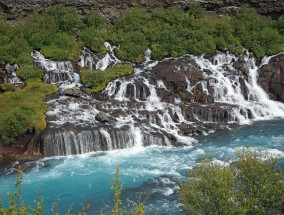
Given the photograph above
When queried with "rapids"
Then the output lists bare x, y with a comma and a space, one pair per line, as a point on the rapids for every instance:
155, 171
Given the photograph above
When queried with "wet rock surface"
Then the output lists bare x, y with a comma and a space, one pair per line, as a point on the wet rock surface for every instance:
271, 77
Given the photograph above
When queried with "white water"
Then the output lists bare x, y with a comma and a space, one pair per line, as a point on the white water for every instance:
11, 76
227, 88
144, 117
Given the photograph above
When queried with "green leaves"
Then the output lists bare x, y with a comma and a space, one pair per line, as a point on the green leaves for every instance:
250, 186
97, 80
23, 110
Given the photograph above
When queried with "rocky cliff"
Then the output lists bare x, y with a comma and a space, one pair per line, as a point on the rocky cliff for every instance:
112, 8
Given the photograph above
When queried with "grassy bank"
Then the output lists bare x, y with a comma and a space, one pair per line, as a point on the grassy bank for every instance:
23, 110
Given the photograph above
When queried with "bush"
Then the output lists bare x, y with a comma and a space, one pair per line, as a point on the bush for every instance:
97, 80
251, 185
65, 18
28, 71
7, 87
23, 110
93, 39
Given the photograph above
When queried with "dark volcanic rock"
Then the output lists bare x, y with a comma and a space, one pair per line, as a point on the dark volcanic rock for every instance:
271, 78
112, 8
75, 91
102, 117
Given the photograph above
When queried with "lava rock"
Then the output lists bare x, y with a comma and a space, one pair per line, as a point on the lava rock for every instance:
271, 78
102, 117
111, 9
75, 91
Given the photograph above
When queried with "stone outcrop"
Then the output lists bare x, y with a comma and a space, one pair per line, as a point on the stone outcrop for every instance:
75, 91
112, 8
271, 77
102, 117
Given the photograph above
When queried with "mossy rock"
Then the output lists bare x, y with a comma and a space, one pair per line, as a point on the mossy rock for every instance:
97, 79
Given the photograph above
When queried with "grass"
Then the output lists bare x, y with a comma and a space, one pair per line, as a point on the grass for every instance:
97, 80
24, 110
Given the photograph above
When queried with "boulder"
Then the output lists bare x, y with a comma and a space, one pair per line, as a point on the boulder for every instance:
102, 117
75, 91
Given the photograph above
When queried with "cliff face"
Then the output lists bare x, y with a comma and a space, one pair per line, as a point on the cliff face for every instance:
12, 9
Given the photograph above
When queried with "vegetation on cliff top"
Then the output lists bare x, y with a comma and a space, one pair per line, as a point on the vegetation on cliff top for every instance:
60, 34
24, 110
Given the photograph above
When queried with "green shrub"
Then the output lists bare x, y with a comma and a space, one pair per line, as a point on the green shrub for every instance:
13, 124
97, 80
60, 34
94, 19
250, 186
28, 71
279, 25
23, 110
65, 18
7, 87
93, 39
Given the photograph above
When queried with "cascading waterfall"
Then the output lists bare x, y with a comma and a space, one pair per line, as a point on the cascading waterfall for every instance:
11, 74
60, 73
227, 88
161, 103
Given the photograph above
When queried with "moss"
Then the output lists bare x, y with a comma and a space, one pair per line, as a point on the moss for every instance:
7, 87
97, 80
24, 110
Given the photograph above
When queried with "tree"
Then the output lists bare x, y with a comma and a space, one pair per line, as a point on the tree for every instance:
251, 185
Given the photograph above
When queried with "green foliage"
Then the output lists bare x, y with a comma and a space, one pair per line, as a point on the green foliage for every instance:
97, 80
256, 33
28, 71
279, 25
93, 39
250, 186
23, 110
65, 18
7, 87
54, 31
17, 206
60, 34
116, 186
94, 19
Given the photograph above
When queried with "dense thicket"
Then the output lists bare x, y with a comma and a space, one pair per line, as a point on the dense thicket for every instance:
60, 34
252, 185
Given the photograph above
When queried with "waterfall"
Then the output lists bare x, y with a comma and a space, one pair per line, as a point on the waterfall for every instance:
228, 88
166, 102
11, 74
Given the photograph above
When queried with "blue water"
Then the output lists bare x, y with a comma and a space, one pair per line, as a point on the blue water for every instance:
154, 171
